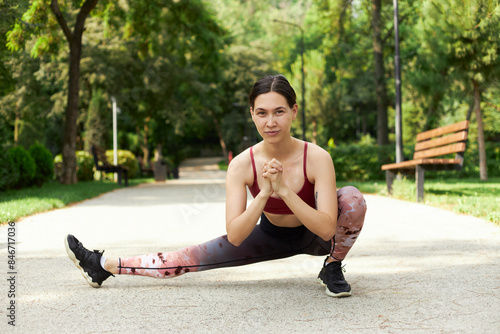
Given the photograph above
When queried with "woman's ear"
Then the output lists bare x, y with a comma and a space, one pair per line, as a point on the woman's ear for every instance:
294, 111
251, 111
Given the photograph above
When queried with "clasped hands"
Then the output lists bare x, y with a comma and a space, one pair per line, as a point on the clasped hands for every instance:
272, 172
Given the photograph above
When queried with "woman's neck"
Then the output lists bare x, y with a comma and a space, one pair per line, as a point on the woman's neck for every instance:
281, 150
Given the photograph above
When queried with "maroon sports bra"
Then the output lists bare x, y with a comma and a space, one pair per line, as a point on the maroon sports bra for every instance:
277, 205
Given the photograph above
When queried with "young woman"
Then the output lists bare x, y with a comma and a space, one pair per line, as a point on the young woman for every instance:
296, 207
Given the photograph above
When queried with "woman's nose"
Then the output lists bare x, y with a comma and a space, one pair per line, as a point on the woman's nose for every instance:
271, 121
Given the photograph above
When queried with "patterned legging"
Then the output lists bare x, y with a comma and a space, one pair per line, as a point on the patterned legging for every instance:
266, 242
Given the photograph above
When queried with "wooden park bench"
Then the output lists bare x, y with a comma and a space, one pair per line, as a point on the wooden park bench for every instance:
430, 150
102, 164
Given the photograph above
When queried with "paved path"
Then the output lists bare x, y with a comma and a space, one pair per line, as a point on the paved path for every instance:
414, 269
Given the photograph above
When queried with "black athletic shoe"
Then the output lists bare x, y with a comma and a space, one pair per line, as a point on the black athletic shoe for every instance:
332, 278
88, 262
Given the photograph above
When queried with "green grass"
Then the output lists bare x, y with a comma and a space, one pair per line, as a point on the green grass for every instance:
470, 196
15, 204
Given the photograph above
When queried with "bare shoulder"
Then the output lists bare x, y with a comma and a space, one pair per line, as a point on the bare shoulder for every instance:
319, 162
240, 168
318, 154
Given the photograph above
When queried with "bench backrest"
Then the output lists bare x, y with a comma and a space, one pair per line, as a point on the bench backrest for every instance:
441, 141
99, 156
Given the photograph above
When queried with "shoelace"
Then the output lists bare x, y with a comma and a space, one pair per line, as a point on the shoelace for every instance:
334, 274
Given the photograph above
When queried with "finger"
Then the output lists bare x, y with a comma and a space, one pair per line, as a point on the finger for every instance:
276, 167
276, 164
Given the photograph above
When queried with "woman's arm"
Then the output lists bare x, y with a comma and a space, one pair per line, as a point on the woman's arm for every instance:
322, 221
240, 220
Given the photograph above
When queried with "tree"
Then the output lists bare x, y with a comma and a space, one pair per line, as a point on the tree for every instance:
38, 15
470, 30
164, 44
379, 71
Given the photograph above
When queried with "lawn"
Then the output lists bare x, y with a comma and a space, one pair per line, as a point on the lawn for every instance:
15, 204
464, 196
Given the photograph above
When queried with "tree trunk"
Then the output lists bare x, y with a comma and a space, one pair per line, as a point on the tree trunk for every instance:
380, 88
221, 139
69, 144
16, 127
483, 170
469, 111
431, 113
74, 39
144, 146
315, 132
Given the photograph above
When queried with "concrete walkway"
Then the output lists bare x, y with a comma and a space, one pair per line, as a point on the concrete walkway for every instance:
414, 269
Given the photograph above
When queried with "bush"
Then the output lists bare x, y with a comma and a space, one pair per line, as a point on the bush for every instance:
125, 158
361, 162
85, 165
44, 164
8, 174
24, 164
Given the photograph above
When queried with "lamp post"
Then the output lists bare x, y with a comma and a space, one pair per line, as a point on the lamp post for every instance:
115, 137
303, 75
399, 126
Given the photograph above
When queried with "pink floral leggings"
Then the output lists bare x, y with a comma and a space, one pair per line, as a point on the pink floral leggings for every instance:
266, 242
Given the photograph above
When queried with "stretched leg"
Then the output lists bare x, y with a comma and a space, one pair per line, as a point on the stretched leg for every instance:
216, 253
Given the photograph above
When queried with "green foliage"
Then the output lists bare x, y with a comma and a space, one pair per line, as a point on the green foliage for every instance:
96, 126
85, 165
8, 173
125, 158
358, 162
176, 67
24, 164
44, 163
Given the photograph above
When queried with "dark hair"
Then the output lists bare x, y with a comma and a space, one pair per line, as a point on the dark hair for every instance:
273, 83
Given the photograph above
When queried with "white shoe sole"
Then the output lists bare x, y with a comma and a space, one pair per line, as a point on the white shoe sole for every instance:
331, 294
77, 264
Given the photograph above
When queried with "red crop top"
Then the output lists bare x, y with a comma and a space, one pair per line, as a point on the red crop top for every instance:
277, 205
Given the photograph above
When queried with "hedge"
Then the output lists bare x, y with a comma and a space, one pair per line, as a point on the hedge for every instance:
24, 164
44, 164
125, 158
8, 173
85, 165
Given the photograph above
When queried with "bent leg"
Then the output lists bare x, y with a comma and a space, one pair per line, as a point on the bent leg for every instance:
352, 210
216, 253
350, 219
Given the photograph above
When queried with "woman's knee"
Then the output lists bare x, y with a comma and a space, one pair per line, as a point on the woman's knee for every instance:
351, 193
351, 199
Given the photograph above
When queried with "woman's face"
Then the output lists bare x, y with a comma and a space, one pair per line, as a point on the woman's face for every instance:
273, 116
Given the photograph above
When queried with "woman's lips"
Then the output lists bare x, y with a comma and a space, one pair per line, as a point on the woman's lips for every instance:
272, 133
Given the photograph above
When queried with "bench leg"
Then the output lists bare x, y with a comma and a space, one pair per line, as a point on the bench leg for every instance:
126, 177
119, 177
419, 182
389, 178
